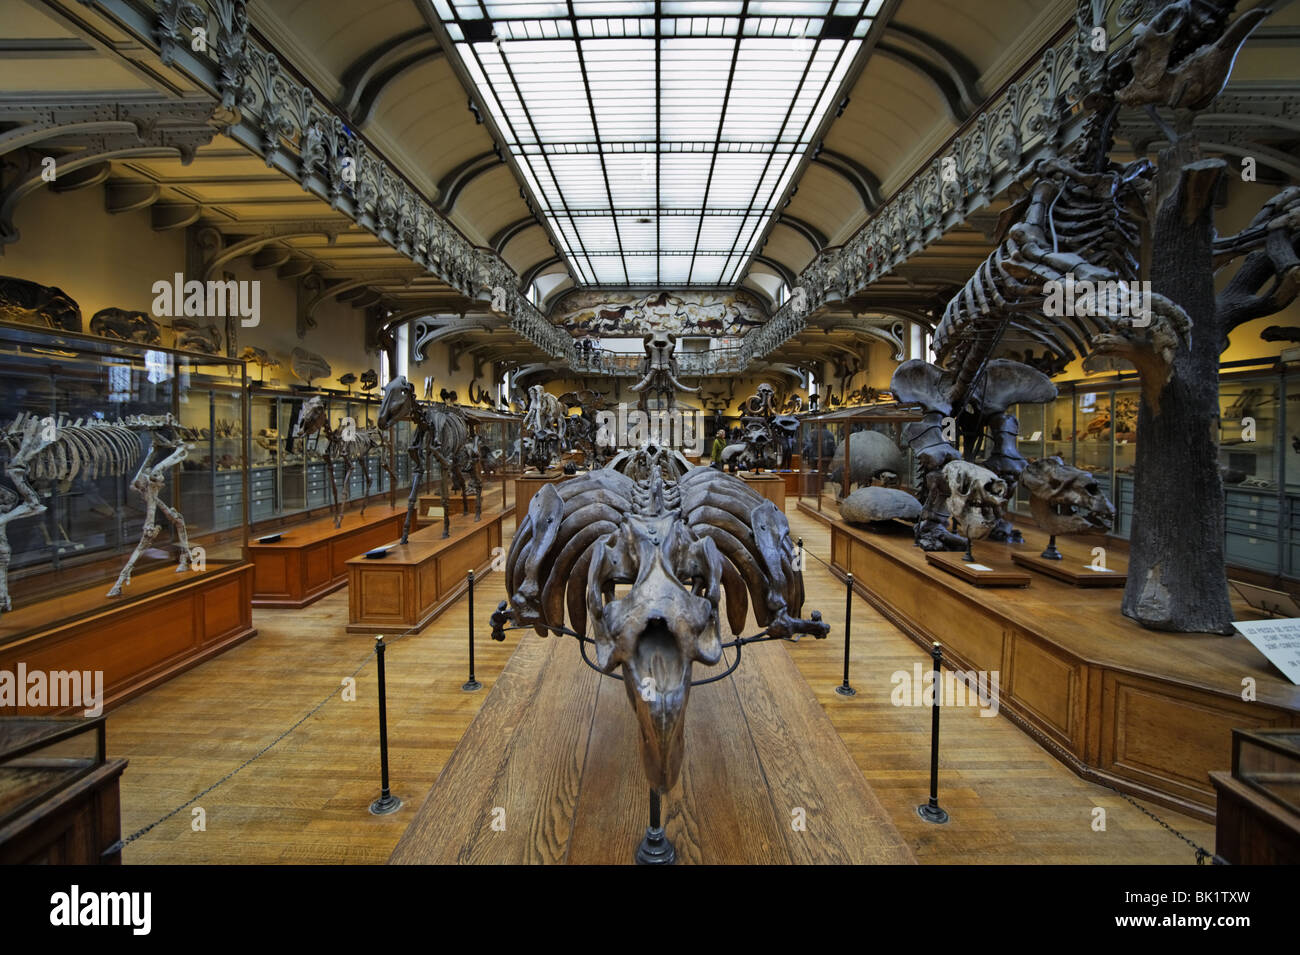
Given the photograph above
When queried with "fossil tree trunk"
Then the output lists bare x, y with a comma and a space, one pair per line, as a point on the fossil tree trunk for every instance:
1176, 577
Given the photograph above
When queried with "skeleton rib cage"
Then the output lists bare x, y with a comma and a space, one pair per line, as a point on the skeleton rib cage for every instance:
44, 450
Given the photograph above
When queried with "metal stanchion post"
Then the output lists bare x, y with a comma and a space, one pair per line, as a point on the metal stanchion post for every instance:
471, 684
844, 689
930, 811
386, 802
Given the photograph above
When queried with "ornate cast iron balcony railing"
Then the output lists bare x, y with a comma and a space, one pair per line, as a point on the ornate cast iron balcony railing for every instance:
297, 131
1032, 116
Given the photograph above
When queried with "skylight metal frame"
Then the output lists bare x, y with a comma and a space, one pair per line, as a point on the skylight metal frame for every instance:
491, 40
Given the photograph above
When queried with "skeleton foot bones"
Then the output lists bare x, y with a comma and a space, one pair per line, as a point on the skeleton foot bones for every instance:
43, 450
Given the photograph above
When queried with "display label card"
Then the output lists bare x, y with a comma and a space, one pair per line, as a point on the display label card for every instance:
1100, 570
978, 567
1277, 639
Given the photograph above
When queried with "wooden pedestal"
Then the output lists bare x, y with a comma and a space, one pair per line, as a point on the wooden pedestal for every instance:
768, 485
555, 747
310, 560
142, 642
1074, 570
980, 573
526, 485
417, 580
1147, 712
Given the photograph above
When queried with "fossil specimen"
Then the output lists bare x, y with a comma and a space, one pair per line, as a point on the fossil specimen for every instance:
30, 303
1065, 500
449, 435
128, 326
308, 365
674, 548
659, 371
191, 336
347, 446
42, 449
545, 429
369, 379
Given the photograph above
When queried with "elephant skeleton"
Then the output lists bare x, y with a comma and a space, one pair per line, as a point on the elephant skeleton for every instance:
659, 374
43, 450
675, 547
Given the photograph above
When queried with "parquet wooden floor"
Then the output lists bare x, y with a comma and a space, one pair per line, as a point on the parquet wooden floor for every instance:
305, 800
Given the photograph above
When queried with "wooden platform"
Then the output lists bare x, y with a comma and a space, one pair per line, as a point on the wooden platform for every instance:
526, 485
552, 755
178, 620
984, 571
1147, 712
418, 580
768, 485
310, 560
1073, 568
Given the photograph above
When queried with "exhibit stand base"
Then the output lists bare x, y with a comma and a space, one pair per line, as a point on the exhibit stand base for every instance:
310, 560
414, 582
526, 485
1075, 570
984, 571
768, 485
549, 772
136, 642
1147, 712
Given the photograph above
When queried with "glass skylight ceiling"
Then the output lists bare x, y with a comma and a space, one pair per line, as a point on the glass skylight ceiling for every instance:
658, 138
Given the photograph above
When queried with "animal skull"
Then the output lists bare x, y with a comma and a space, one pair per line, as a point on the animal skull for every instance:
976, 498
664, 623
1066, 499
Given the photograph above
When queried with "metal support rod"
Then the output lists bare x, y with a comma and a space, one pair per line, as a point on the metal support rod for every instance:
655, 847
386, 802
471, 684
844, 689
930, 811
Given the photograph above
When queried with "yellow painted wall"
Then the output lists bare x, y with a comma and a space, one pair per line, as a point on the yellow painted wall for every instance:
102, 260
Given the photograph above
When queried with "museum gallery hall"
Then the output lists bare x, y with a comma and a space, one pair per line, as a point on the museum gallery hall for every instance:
719, 432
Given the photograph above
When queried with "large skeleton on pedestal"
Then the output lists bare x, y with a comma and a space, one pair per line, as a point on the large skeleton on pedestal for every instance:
659, 372
1076, 230
444, 431
40, 450
346, 447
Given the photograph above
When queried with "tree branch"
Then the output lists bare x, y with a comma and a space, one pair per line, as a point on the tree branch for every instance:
1241, 300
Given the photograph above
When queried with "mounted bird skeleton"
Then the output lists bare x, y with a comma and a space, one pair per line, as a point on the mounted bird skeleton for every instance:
676, 546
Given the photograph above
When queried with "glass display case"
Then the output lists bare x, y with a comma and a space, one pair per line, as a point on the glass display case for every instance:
43, 756
1094, 426
97, 432
1268, 761
501, 454
869, 437
287, 475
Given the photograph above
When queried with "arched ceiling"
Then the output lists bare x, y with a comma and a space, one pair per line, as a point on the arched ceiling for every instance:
385, 65
932, 61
